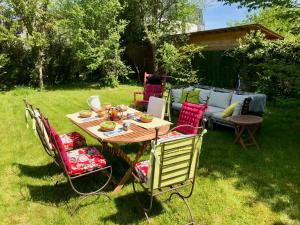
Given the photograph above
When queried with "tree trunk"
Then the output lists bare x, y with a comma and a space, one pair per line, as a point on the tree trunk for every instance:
40, 62
153, 51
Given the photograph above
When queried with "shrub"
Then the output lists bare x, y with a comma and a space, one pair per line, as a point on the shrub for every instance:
272, 67
177, 62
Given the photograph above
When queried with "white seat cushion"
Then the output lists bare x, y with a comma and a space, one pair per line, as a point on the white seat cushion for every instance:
156, 107
212, 109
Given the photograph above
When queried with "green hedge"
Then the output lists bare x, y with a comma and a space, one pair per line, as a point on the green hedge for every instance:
216, 69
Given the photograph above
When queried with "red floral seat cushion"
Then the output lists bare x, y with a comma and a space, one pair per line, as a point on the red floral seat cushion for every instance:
72, 140
142, 170
85, 159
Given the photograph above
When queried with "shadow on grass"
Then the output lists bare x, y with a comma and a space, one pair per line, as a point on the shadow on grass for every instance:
39, 171
62, 192
272, 172
129, 211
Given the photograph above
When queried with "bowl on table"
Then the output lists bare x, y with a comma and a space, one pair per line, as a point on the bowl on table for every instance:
85, 113
146, 118
107, 126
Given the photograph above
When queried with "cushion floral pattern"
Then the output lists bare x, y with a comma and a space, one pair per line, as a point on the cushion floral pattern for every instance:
142, 170
72, 140
85, 159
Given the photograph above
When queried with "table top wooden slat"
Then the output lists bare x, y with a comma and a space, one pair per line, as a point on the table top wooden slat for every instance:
138, 134
246, 119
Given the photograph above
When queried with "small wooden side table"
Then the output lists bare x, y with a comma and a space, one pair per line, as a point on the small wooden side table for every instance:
245, 123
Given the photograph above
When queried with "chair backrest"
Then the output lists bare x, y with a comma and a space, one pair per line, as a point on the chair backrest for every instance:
190, 114
57, 144
175, 161
38, 126
155, 90
156, 107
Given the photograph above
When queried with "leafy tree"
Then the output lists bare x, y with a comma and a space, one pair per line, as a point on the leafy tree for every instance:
27, 22
93, 29
255, 4
268, 66
154, 20
284, 20
177, 61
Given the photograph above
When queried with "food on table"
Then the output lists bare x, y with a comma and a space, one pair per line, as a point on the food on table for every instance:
102, 112
146, 118
107, 126
107, 106
123, 108
138, 114
85, 113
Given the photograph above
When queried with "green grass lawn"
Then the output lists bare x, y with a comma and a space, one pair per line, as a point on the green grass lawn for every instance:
233, 186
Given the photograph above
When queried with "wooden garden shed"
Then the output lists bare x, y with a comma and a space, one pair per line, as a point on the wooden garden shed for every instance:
227, 38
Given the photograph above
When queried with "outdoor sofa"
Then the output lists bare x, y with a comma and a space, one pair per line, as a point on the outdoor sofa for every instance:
218, 100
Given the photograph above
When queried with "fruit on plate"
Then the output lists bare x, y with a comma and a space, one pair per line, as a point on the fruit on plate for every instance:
85, 113
146, 118
107, 126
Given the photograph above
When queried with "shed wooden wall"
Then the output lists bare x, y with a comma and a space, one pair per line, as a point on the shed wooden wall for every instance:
216, 41
223, 39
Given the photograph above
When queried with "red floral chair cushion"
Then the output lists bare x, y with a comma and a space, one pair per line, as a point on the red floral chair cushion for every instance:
72, 140
142, 170
78, 161
85, 159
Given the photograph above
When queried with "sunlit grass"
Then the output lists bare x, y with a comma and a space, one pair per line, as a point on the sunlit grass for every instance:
233, 186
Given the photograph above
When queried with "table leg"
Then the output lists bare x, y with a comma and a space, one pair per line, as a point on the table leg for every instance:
119, 152
252, 133
239, 131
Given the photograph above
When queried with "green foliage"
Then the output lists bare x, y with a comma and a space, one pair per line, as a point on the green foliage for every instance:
283, 20
272, 67
3, 63
255, 4
93, 30
177, 61
153, 20
62, 40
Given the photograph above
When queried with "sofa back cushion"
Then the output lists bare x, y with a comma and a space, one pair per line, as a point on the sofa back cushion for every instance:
176, 95
238, 98
219, 99
204, 93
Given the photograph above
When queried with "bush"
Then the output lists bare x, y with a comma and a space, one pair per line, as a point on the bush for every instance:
271, 67
177, 62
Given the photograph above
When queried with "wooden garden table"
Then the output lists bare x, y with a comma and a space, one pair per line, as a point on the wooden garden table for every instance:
245, 123
137, 134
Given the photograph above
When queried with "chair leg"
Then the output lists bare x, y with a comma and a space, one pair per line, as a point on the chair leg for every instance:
192, 221
84, 195
145, 210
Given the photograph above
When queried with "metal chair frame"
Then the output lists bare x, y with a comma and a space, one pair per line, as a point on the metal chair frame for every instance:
41, 131
174, 188
70, 179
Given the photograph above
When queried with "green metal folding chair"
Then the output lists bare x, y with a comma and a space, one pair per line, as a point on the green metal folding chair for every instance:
172, 166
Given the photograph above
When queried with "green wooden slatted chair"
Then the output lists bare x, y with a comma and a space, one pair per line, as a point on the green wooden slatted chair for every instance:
172, 166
